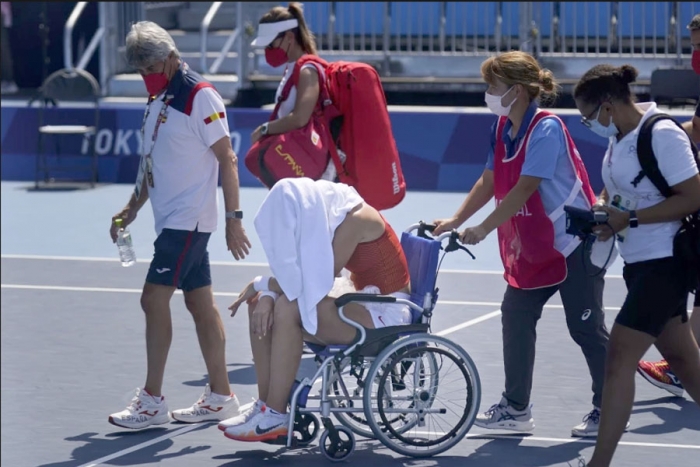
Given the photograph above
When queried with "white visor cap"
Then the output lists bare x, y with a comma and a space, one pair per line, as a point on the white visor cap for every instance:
267, 32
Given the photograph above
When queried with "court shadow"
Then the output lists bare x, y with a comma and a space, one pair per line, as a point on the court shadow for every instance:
96, 448
244, 373
685, 415
508, 451
365, 454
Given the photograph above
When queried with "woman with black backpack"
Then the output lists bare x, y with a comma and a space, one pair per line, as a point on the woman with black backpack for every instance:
646, 225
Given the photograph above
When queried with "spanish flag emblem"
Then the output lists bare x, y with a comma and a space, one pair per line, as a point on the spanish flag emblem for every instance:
213, 117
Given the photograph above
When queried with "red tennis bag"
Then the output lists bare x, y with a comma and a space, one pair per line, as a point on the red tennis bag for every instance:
303, 152
362, 132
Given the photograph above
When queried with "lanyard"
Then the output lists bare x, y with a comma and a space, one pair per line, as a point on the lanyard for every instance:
159, 120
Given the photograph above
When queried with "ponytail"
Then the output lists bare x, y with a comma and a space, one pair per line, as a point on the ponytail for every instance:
303, 35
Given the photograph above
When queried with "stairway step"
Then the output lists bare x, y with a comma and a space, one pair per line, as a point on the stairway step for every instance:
191, 20
189, 41
228, 66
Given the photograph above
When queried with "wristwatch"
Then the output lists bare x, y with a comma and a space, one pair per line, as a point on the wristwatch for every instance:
264, 128
634, 222
234, 215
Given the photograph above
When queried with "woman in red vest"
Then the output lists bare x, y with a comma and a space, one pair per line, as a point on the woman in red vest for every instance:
533, 170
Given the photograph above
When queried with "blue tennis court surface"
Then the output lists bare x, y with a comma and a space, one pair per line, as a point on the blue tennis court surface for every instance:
73, 346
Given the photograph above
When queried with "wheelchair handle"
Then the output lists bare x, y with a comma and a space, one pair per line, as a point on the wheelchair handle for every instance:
423, 227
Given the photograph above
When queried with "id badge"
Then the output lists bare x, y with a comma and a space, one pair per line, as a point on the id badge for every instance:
623, 204
149, 170
139, 178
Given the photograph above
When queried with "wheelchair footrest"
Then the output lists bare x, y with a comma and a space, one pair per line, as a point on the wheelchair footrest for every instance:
281, 441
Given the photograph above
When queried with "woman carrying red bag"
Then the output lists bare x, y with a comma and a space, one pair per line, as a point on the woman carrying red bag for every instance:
286, 38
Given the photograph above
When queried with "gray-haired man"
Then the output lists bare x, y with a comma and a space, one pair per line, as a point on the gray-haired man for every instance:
186, 143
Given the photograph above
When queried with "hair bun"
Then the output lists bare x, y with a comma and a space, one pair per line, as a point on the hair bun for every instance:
628, 74
546, 79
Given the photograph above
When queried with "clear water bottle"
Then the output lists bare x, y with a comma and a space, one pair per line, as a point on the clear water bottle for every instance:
126, 247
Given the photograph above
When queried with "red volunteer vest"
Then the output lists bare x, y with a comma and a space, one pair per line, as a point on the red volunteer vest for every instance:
526, 240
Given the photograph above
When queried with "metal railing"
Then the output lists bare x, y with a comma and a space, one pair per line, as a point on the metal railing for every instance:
393, 31
230, 40
68, 40
480, 28
641, 29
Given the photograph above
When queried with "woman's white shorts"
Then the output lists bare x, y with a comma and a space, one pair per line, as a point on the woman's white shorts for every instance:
383, 314
389, 314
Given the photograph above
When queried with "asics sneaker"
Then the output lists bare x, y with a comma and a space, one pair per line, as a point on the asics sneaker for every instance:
589, 427
660, 375
505, 417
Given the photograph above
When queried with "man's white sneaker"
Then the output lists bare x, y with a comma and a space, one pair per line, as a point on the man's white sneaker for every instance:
209, 407
144, 410
589, 427
248, 411
504, 417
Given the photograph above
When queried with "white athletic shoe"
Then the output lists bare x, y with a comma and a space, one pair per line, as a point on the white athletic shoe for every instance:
144, 410
504, 417
589, 427
265, 426
209, 407
247, 412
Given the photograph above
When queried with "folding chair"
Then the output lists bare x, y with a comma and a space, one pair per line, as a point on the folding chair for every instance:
62, 86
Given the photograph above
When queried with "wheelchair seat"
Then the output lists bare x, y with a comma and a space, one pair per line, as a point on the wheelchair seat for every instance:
422, 258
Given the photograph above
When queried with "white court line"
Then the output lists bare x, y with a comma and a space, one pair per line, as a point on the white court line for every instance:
568, 440
65, 288
93, 289
137, 447
471, 322
227, 263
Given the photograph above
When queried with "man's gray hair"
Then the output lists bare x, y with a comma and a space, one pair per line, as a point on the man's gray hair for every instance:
694, 23
147, 43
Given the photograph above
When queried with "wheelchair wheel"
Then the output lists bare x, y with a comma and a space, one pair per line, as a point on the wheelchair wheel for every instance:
306, 426
437, 416
356, 422
339, 449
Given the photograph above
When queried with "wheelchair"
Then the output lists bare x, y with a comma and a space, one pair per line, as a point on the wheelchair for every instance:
389, 383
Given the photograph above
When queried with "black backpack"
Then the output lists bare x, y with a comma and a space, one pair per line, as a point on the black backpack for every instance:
686, 244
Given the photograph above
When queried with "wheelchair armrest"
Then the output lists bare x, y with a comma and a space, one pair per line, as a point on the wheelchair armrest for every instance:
363, 297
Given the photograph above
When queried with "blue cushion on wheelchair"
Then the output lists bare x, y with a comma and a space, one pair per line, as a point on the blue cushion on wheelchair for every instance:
422, 255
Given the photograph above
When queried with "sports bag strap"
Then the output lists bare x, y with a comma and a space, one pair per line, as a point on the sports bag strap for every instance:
647, 159
320, 64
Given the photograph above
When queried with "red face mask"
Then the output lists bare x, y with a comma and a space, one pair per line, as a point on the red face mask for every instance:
155, 83
695, 61
276, 57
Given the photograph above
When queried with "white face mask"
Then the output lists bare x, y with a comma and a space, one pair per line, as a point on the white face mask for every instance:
601, 130
495, 106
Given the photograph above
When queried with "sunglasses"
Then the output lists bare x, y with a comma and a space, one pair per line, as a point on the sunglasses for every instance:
586, 120
279, 36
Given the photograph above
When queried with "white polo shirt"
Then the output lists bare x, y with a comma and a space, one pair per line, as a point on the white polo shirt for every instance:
621, 165
185, 169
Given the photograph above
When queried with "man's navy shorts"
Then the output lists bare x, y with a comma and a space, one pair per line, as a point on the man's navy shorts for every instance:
180, 260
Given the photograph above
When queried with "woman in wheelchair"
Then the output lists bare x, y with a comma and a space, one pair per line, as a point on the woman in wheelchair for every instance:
311, 231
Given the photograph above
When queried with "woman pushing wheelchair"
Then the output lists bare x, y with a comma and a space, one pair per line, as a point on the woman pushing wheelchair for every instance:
311, 231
